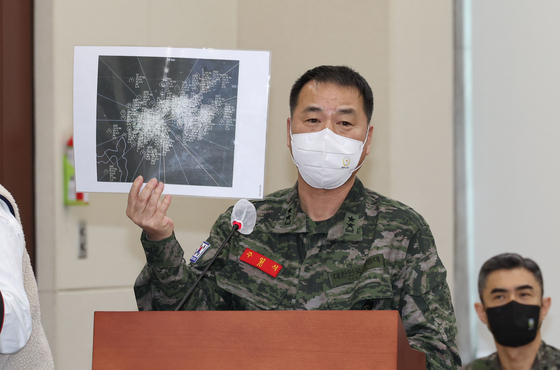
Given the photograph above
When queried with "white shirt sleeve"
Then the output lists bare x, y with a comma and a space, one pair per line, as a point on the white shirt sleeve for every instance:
16, 328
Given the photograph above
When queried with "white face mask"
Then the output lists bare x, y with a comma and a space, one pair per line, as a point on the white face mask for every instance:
324, 159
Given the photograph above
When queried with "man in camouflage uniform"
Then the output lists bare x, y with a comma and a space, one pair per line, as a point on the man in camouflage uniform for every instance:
312, 248
512, 305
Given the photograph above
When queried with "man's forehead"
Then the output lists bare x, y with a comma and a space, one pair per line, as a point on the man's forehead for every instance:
315, 86
315, 94
510, 279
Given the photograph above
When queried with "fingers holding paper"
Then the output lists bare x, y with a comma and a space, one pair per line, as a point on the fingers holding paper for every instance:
146, 210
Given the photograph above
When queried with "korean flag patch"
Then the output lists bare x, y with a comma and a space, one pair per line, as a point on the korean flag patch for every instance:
199, 252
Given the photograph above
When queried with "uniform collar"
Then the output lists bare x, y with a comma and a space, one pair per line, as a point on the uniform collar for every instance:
541, 353
346, 224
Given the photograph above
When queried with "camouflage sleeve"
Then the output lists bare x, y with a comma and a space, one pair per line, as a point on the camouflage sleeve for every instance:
426, 308
160, 285
166, 278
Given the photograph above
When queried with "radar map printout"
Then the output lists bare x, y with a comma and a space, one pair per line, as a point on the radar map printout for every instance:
169, 118
194, 119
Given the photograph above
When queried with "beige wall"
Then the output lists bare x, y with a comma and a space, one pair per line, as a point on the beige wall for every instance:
421, 115
403, 48
304, 34
72, 289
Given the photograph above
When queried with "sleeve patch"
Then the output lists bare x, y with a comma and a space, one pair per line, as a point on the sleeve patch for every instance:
200, 251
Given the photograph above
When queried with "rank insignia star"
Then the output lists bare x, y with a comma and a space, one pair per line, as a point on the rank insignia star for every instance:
350, 223
288, 216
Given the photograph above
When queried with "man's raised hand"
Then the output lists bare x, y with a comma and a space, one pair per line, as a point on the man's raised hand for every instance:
147, 211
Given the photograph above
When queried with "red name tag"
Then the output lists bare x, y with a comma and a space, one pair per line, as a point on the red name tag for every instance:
261, 262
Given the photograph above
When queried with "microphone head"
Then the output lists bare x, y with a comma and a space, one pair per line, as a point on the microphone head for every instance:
244, 213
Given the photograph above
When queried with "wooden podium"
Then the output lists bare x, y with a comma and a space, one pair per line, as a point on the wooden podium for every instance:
253, 340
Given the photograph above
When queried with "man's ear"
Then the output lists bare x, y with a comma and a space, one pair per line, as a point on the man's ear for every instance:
481, 312
368, 141
288, 132
546, 302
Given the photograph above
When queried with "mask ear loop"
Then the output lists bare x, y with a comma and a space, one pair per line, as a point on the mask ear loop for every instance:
361, 150
292, 144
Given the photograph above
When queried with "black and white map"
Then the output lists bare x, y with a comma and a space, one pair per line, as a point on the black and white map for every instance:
169, 118
195, 119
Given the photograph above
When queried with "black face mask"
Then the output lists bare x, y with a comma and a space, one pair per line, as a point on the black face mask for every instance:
514, 324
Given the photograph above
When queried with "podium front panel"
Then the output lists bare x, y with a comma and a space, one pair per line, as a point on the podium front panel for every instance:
252, 340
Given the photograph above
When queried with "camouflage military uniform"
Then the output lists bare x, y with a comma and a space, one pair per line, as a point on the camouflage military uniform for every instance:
548, 358
374, 253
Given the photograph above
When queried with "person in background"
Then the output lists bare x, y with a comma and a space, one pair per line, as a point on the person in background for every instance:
23, 344
513, 306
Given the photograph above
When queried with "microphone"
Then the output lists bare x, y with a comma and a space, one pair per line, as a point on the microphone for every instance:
244, 216
243, 219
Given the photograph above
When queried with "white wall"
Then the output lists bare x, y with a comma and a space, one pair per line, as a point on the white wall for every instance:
403, 48
516, 54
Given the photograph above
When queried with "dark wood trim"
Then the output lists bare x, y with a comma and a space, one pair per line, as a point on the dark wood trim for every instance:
17, 154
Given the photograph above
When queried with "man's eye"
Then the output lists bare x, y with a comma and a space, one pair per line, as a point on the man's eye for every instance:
345, 123
313, 120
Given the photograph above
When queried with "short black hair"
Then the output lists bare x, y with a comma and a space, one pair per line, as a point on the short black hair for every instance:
339, 75
508, 261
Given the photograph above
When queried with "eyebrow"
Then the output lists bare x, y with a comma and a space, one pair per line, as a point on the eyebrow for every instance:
498, 290
502, 290
347, 111
313, 108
